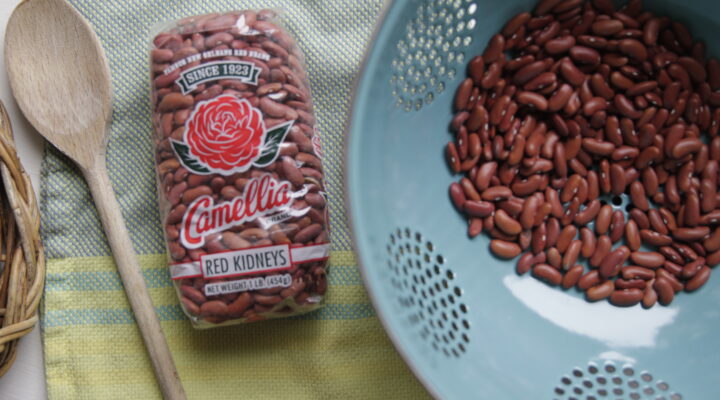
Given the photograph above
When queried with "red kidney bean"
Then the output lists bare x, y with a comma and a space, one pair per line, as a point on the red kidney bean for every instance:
674, 282
589, 280
651, 29
515, 23
640, 218
457, 195
691, 268
559, 45
611, 264
475, 227
625, 107
552, 231
649, 296
617, 226
626, 297
570, 211
495, 47
571, 73
664, 290
713, 258
700, 278
632, 235
539, 238
633, 48
505, 249
476, 68
635, 272
467, 186
687, 252
647, 259
527, 216
588, 214
602, 222
585, 55
600, 291
492, 76
571, 255
506, 223
478, 209
529, 72
589, 242
712, 242
572, 276
463, 94
654, 238
547, 273
533, 99
567, 234
525, 263
496, 193
691, 234
657, 222
607, 27
617, 179
711, 218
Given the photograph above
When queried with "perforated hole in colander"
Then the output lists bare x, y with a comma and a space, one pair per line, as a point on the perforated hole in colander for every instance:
427, 292
431, 51
610, 381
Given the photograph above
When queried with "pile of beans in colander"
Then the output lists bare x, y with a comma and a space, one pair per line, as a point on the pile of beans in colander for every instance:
571, 106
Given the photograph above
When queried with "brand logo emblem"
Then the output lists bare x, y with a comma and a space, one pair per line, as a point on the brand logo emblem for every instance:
227, 135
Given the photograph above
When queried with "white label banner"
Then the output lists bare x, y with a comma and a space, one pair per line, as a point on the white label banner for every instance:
298, 255
245, 262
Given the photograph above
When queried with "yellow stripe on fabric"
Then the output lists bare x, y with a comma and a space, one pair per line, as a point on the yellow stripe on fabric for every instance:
342, 258
104, 263
113, 299
270, 359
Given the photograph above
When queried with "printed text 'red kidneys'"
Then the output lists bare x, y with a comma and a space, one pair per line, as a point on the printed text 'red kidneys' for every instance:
262, 196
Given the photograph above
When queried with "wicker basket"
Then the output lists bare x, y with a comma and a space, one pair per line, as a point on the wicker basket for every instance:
22, 259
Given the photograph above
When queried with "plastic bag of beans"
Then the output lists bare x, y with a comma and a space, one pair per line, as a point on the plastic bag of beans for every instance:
240, 179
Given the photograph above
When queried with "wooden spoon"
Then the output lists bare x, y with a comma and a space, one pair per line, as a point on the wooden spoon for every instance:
61, 80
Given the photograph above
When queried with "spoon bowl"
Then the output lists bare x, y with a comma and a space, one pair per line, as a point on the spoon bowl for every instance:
70, 107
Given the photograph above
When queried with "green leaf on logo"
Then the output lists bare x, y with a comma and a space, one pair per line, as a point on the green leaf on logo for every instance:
274, 137
188, 161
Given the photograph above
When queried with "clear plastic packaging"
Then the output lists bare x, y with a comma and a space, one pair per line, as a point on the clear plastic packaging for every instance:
240, 178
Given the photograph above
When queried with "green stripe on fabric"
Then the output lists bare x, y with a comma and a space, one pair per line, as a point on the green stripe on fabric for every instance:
86, 316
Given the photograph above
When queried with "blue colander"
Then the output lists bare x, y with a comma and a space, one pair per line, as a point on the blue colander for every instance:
466, 324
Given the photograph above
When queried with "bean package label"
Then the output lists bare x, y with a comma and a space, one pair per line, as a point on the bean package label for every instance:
240, 177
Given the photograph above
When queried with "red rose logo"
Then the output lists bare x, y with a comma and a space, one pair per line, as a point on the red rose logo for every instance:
225, 134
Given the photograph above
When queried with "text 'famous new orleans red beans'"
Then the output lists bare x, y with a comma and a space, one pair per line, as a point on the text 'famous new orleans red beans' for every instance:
241, 187
570, 107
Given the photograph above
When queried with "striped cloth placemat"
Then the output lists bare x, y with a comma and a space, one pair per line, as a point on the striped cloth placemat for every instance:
92, 346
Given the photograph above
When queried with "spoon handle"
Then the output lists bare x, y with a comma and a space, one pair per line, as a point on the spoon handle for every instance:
132, 278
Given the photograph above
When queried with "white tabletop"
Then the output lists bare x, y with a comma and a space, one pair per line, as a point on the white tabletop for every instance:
26, 378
